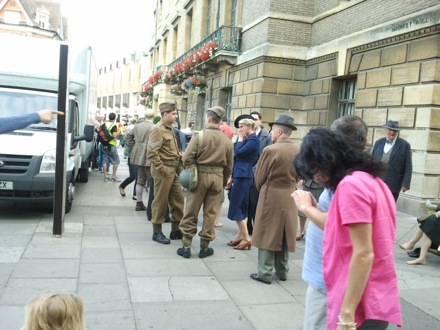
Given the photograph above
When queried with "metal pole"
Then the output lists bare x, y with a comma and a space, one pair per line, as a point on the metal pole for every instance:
60, 166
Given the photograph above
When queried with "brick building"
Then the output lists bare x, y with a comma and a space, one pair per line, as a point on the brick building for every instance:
316, 60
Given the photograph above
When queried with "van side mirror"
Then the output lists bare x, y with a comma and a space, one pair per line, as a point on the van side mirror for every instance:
89, 131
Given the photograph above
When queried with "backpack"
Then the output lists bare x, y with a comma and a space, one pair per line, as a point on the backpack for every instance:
104, 136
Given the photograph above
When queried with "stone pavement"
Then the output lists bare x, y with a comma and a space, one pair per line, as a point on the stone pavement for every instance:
129, 282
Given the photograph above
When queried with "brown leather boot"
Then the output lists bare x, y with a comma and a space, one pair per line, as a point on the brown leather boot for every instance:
140, 206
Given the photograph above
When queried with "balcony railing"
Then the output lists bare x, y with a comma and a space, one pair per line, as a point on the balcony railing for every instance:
228, 40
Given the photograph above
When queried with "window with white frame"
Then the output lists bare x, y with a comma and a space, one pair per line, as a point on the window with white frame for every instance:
12, 16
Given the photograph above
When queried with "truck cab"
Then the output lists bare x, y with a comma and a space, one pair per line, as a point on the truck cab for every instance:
27, 156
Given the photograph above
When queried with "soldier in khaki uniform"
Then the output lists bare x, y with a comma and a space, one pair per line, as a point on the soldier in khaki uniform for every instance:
165, 156
214, 157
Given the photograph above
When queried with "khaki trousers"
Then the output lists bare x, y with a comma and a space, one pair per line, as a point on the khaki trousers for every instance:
209, 193
167, 191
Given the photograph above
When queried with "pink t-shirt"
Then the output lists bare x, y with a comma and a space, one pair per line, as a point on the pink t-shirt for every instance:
361, 198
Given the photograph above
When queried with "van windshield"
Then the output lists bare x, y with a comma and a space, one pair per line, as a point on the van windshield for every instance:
15, 101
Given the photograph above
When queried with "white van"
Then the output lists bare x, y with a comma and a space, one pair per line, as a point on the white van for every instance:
29, 82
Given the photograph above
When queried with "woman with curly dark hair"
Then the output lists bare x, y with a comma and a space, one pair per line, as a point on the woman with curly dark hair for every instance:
359, 233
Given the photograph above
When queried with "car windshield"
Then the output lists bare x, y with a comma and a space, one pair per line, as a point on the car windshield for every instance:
15, 102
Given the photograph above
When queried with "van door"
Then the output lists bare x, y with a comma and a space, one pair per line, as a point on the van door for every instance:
73, 129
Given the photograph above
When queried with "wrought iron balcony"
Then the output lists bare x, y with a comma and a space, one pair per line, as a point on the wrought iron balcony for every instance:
228, 40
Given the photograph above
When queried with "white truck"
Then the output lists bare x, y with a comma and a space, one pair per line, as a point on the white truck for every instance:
29, 71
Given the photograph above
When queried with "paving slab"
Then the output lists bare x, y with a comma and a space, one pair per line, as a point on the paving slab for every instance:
275, 316
11, 317
19, 290
105, 297
102, 273
11, 253
167, 267
96, 255
127, 281
111, 320
52, 251
189, 315
7, 240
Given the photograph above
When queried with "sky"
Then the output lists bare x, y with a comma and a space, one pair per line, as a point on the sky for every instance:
113, 28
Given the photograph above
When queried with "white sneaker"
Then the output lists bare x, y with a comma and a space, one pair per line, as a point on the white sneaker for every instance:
106, 179
115, 179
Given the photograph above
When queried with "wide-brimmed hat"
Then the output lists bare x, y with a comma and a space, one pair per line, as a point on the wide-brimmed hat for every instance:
237, 120
392, 124
283, 119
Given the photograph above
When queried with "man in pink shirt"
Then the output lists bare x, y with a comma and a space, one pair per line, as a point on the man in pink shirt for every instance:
225, 128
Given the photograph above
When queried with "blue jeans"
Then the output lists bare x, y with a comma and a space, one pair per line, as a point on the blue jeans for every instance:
101, 158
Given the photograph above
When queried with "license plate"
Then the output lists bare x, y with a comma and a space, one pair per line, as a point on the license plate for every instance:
6, 185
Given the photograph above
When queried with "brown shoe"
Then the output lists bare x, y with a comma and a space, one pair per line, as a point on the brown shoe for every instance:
140, 206
122, 191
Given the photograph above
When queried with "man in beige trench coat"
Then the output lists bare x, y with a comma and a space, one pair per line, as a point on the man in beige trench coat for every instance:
138, 139
276, 216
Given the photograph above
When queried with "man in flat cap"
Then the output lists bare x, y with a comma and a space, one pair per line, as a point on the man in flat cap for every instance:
211, 151
396, 152
276, 217
138, 139
165, 156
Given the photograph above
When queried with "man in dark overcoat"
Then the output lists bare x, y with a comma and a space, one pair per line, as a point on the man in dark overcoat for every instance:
396, 152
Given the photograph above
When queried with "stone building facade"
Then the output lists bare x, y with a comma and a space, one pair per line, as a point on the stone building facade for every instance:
315, 59
118, 87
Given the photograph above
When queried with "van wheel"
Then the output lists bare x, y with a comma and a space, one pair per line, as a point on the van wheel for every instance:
83, 175
70, 189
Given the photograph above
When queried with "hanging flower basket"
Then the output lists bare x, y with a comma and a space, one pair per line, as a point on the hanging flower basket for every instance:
196, 83
177, 89
183, 69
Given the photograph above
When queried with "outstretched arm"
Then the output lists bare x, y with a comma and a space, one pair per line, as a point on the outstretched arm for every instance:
9, 124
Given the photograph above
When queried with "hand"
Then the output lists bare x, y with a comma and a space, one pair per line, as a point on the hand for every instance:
346, 323
46, 115
229, 183
404, 189
164, 171
303, 199
437, 214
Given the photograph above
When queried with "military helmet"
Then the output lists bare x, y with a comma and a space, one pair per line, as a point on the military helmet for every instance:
189, 177
185, 178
